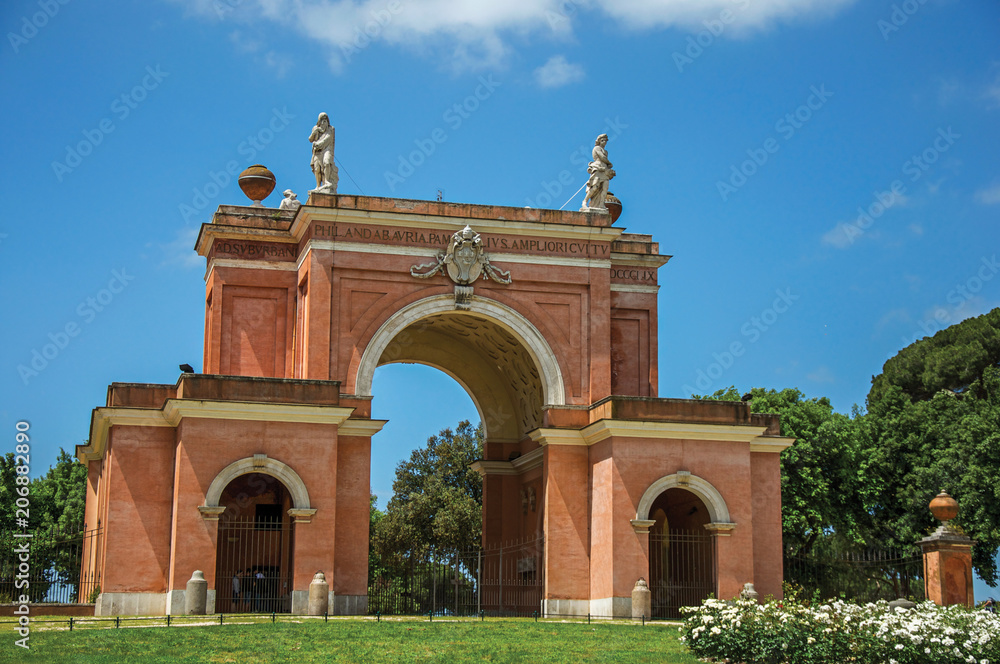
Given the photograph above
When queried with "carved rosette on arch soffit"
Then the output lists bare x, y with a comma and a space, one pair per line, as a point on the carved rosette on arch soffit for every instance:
464, 261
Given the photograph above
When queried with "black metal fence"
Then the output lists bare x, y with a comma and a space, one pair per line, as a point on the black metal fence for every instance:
46, 566
501, 581
681, 570
859, 576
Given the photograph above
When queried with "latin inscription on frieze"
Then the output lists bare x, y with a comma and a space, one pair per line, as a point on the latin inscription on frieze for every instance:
439, 239
632, 275
251, 250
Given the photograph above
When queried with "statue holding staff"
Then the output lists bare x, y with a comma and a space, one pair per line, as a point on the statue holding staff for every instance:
323, 166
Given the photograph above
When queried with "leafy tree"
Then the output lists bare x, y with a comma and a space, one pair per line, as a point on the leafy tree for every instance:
913, 448
819, 473
8, 491
951, 360
56, 503
437, 501
58, 498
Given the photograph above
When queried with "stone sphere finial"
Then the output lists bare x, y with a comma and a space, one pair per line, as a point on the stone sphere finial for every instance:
257, 183
944, 507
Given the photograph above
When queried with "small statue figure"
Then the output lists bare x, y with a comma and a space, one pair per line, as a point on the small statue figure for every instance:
600, 176
290, 201
323, 166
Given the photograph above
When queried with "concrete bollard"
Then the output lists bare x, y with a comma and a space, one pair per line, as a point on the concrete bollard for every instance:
196, 595
641, 600
319, 595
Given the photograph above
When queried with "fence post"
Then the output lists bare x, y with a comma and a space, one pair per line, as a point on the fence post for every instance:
71, 623
500, 579
479, 582
168, 620
116, 622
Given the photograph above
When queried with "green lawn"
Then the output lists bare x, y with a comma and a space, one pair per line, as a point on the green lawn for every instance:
356, 641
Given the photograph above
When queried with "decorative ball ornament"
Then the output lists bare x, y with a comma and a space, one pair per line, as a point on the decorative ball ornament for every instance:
944, 507
257, 183
614, 206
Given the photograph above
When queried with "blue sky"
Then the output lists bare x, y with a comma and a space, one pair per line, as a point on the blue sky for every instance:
838, 159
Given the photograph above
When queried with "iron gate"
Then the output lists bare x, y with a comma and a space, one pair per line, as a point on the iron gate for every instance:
497, 581
254, 566
681, 570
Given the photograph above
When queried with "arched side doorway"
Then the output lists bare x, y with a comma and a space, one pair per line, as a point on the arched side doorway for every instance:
684, 511
256, 500
254, 565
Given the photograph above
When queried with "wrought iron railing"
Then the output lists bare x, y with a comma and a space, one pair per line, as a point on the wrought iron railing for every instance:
864, 575
501, 581
47, 566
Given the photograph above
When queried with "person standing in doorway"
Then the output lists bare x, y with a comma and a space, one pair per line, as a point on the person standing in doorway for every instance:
236, 589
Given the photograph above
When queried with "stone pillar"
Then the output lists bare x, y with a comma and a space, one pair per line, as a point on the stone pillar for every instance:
641, 600
196, 595
319, 595
947, 558
732, 563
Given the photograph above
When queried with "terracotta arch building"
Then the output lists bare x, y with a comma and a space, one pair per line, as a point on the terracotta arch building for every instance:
547, 318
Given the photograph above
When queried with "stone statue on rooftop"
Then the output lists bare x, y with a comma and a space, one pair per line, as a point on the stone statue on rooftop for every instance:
323, 166
600, 177
290, 201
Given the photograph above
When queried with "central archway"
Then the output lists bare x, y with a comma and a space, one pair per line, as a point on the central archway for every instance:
510, 373
494, 352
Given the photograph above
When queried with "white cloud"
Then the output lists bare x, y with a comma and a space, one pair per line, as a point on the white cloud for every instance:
992, 92
473, 35
181, 251
990, 195
892, 316
844, 234
969, 307
841, 236
279, 62
243, 43
558, 72
948, 91
821, 375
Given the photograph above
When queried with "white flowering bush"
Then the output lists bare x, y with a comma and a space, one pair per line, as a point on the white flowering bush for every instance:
780, 632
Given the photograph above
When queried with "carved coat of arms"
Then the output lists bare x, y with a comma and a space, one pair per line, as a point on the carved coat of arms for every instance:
464, 262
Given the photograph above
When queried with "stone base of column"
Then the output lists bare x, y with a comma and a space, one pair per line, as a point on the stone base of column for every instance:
605, 607
132, 604
176, 600
611, 607
348, 605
